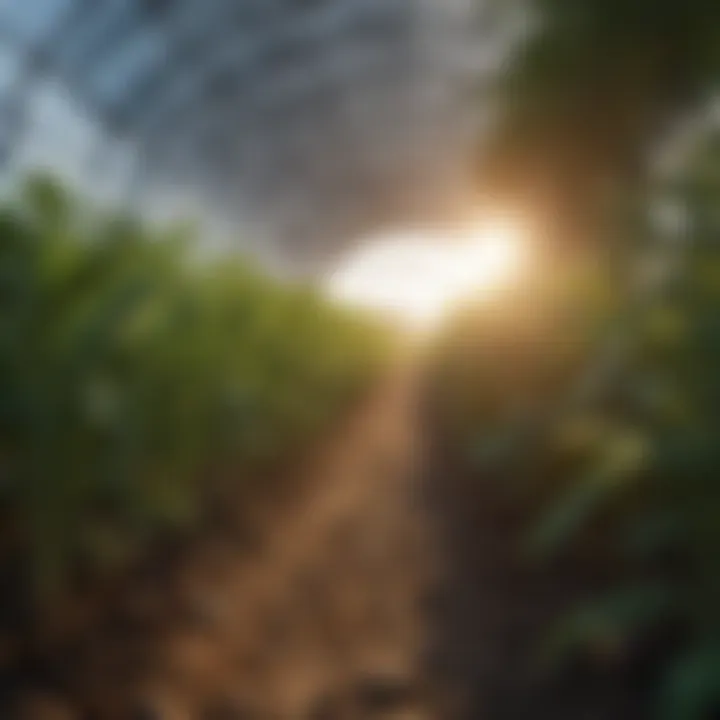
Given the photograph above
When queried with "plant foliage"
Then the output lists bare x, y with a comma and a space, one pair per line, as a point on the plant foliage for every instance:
612, 463
132, 372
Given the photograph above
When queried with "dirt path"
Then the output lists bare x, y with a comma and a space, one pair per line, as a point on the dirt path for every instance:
322, 620
386, 588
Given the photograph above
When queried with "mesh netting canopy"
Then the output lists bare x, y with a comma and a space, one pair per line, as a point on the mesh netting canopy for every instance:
313, 120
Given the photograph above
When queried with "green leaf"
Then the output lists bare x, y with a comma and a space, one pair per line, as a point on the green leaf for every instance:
691, 690
606, 625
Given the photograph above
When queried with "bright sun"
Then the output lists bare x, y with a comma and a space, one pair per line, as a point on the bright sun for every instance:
418, 277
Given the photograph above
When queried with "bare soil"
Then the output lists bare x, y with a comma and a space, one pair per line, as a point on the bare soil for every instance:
312, 613
384, 587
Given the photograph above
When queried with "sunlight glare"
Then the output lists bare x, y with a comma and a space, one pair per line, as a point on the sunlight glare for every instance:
418, 277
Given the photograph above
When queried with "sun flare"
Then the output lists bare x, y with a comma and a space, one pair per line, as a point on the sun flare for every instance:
418, 277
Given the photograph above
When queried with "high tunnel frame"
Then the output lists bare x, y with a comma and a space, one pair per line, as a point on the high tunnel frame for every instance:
180, 84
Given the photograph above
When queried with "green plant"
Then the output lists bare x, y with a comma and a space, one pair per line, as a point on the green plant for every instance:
130, 369
624, 473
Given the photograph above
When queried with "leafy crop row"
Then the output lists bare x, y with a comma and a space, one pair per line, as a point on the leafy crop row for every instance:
132, 370
599, 415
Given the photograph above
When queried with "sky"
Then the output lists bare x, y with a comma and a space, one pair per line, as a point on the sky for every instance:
366, 127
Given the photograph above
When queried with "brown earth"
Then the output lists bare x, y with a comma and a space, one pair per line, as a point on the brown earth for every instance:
318, 616
383, 587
